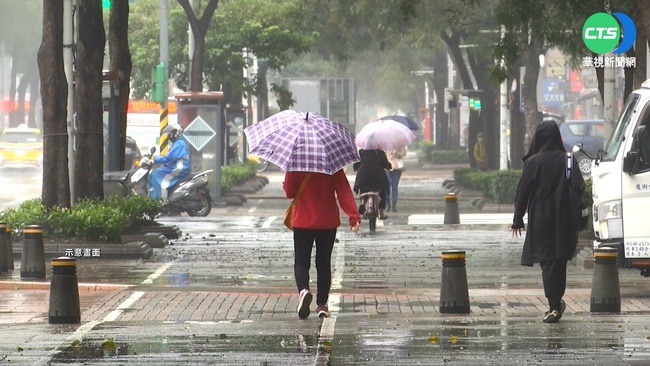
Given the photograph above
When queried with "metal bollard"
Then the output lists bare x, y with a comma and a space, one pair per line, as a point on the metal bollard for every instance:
64, 292
32, 261
4, 261
10, 249
605, 289
451, 209
454, 294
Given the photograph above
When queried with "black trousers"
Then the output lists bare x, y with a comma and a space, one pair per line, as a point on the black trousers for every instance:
303, 241
554, 278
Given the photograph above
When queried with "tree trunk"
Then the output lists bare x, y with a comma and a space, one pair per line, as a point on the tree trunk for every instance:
21, 90
54, 91
12, 89
517, 124
89, 157
196, 73
118, 44
628, 73
642, 22
439, 85
34, 98
488, 121
199, 30
532, 113
263, 90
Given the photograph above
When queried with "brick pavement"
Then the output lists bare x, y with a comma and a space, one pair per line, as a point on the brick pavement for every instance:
179, 305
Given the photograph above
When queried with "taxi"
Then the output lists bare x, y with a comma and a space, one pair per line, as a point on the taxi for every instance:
21, 145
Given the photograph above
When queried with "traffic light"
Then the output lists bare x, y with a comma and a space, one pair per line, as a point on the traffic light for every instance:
475, 104
106, 4
159, 83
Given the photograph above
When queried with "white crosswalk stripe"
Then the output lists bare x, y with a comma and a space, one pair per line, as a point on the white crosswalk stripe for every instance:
465, 219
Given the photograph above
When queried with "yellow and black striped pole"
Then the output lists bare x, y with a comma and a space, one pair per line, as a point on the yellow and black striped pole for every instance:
164, 139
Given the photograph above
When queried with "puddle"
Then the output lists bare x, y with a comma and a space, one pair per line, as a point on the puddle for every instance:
96, 349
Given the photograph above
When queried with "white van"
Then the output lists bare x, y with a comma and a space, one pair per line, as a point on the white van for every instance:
621, 185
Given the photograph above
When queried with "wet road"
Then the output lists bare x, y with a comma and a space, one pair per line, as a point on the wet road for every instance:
19, 184
224, 294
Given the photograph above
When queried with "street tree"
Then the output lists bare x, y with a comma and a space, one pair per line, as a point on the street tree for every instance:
89, 142
54, 89
200, 28
120, 63
457, 24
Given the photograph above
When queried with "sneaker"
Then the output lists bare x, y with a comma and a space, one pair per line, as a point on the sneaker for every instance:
304, 303
551, 317
562, 308
322, 311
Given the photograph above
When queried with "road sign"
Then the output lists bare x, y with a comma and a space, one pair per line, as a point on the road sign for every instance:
198, 133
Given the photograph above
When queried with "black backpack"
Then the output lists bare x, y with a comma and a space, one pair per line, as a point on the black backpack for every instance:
578, 211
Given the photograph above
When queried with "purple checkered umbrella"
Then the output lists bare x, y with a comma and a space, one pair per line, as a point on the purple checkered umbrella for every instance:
302, 142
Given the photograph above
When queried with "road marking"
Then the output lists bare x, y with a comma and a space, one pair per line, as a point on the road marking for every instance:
325, 337
326, 334
252, 209
339, 265
157, 274
467, 219
123, 306
268, 222
110, 317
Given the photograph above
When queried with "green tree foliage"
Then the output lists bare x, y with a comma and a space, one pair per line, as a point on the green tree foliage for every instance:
272, 29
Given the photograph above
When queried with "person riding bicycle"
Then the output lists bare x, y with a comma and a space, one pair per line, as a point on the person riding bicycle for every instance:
371, 176
176, 164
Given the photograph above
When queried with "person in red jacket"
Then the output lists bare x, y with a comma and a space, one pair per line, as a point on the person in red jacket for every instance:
316, 218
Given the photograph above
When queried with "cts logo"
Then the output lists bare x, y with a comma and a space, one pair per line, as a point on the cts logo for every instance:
601, 33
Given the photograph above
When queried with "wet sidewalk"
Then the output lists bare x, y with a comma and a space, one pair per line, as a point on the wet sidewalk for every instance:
224, 294
229, 299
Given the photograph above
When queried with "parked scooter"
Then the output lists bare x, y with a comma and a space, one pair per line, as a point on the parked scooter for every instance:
261, 163
370, 204
189, 195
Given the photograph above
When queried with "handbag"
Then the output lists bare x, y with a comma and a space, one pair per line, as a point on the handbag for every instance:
579, 214
288, 215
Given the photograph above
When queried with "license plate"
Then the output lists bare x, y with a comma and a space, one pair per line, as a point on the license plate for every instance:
138, 175
19, 153
637, 248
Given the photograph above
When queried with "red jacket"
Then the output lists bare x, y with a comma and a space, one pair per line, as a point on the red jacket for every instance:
316, 208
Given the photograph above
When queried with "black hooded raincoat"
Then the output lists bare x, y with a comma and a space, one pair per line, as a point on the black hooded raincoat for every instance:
544, 192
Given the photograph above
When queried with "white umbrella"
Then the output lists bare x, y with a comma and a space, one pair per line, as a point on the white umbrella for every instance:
384, 135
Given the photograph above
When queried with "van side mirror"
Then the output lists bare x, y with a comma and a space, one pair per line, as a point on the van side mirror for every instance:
642, 140
640, 151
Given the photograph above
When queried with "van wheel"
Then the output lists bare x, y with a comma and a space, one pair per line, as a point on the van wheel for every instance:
584, 163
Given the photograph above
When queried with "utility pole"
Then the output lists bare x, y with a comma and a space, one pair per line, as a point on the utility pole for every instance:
191, 44
609, 98
68, 44
503, 113
164, 60
2, 84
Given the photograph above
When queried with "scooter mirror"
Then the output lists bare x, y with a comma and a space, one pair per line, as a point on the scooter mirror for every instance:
152, 150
